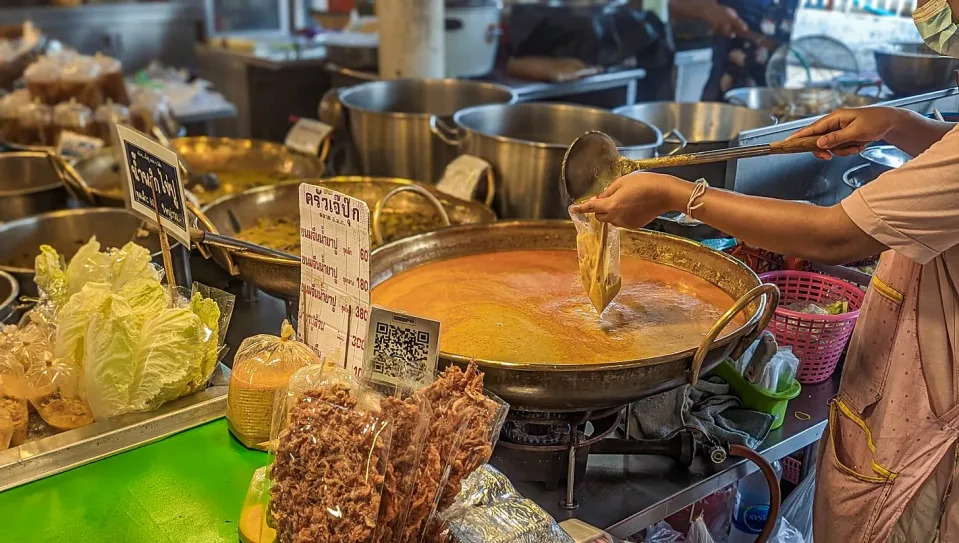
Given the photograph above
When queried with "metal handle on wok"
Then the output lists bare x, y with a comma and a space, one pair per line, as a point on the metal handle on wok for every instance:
378, 208
680, 139
207, 225
70, 178
490, 186
449, 135
772, 300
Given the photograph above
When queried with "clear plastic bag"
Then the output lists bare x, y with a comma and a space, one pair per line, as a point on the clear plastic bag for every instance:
262, 366
662, 532
465, 426
329, 458
598, 252
53, 390
797, 509
253, 527
699, 533
13, 404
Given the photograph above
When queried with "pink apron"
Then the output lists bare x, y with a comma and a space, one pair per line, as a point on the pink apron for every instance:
883, 440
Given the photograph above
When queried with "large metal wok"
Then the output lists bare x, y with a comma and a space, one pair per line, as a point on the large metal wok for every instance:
101, 173
566, 387
281, 277
66, 231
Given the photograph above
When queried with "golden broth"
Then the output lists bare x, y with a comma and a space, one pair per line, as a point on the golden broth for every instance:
530, 307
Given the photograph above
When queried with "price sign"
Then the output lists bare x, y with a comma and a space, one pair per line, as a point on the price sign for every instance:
401, 348
73, 145
462, 176
334, 275
153, 185
307, 135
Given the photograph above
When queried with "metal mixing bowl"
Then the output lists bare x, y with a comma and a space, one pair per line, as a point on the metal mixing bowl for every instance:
912, 68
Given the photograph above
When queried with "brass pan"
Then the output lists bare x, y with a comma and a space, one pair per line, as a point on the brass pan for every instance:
281, 277
575, 387
103, 178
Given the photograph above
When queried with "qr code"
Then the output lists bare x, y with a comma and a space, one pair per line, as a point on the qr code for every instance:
400, 352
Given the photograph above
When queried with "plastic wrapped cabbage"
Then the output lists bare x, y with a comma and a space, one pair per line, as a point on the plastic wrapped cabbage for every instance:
134, 344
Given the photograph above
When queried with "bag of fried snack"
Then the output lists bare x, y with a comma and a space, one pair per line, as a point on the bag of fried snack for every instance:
598, 252
329, 448
263, 365
463, 430
409, 414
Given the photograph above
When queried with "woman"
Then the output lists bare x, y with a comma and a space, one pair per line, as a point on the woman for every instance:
737, 61
888, 463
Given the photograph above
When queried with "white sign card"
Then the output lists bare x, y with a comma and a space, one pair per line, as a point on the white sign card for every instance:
462, 176
401, 348
334, 309
73, 145
307, 135
153, 182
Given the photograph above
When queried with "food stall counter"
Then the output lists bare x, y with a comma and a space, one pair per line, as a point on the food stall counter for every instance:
188, 487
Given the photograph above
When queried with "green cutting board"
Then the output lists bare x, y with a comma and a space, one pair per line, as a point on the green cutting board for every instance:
186, 488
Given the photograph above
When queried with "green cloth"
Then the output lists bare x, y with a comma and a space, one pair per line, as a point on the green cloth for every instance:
188, 487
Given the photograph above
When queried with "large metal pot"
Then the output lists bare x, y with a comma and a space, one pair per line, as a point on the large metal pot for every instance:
66, 231
912, 68
693, 127
29, 184
104, 179
525, 143
789, 104
281, 277
390, 122
561, 387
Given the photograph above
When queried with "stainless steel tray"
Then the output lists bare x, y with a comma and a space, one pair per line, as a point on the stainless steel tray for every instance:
51, 455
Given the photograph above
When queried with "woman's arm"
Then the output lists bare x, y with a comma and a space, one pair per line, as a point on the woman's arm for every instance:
847, 131
820, 234
721, 19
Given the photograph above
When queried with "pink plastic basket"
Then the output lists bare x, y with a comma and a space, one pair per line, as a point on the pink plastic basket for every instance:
792, 469
817, 340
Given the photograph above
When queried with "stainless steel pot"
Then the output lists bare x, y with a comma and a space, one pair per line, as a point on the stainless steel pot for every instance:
66, 231
563, 387
29, 184
789, 104
525, 143
693, 127
912, 68
390, 122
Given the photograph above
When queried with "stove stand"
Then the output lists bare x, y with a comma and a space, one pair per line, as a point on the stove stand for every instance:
551, 448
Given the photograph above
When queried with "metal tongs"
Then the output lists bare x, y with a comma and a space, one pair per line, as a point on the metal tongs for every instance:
592, 162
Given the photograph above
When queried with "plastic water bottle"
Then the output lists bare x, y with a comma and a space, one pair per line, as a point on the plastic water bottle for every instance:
752, 507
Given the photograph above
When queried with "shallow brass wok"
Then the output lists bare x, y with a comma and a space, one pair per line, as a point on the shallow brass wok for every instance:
281, 277
103, 178
572, 387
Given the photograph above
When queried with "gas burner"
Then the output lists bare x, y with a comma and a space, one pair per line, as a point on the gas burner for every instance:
553, 448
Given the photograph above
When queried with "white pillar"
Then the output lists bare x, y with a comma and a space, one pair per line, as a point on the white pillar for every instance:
412, 38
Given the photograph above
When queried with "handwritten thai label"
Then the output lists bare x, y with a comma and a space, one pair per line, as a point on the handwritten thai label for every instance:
307, 135
462, 176
73, 145
153, 182
334, 308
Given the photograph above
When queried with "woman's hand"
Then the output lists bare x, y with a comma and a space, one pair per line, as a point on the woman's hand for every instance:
724, 20
635, 200
847, 131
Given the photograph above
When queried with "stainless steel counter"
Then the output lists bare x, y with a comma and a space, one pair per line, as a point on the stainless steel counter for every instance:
623, 494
